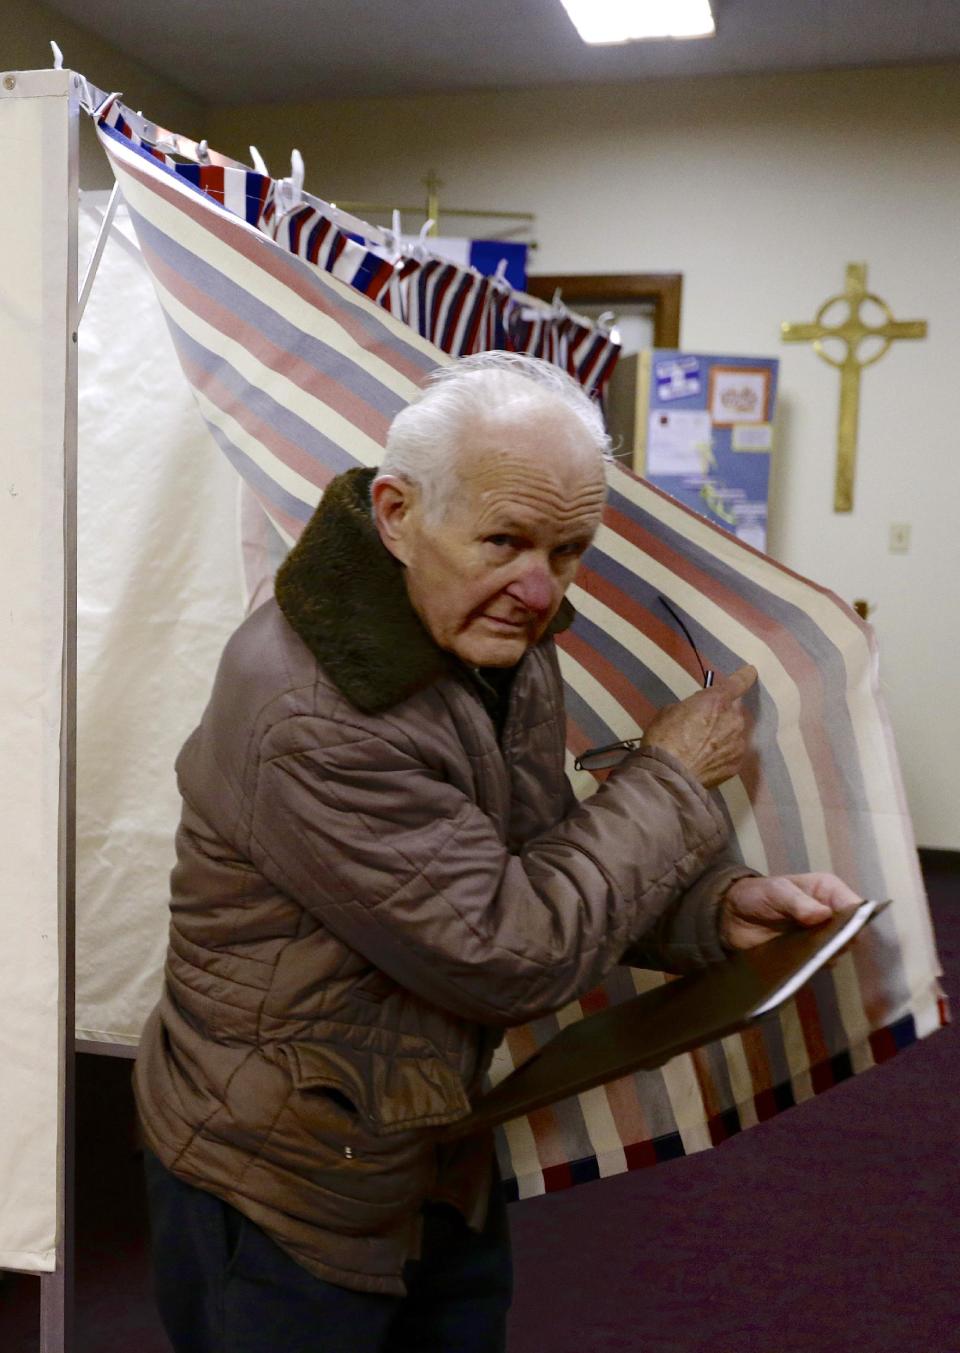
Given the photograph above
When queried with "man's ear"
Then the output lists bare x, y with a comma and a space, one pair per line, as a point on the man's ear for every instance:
394, 502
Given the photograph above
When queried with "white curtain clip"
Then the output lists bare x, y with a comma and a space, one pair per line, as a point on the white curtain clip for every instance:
96, 102
57, 56
203, 152
258, 162
421, 251
298, 173
393, 237
289, 191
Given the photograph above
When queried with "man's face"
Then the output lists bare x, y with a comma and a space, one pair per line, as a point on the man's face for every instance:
487, 579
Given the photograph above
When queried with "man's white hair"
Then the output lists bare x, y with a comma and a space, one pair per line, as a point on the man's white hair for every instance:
425, 440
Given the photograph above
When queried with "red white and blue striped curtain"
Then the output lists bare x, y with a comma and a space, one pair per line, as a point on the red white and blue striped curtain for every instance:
298, 375
459, 309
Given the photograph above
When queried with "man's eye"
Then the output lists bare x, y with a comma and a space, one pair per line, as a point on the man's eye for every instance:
572, 550
501, 542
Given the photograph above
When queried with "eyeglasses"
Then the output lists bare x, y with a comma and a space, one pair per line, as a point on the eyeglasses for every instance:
705, 672
612, 753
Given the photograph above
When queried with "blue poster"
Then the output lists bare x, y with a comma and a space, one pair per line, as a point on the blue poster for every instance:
708, 435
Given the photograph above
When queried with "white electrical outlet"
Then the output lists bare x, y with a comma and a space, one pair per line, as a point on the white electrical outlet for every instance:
899, 537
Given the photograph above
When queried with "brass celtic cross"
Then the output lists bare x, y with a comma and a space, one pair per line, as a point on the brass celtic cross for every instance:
852, 331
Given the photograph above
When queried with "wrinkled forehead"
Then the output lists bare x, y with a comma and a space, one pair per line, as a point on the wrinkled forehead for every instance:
545, 466
543, 436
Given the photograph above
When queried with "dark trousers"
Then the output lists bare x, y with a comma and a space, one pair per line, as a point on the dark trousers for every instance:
223, 1286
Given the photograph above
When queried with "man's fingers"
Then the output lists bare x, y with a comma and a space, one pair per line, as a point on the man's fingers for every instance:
739, 682
809, 912
755, 909
827, 888
811, 903
780, 899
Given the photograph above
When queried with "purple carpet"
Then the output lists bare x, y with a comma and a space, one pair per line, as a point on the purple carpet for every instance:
834, 1227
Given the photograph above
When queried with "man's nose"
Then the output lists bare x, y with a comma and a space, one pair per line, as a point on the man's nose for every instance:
534, 589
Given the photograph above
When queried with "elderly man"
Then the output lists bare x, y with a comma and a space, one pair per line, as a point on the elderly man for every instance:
381, 865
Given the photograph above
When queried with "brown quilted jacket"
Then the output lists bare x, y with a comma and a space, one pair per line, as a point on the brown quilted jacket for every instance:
369, 886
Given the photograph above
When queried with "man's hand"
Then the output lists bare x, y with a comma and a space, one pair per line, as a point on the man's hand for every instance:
753, 910
707, 731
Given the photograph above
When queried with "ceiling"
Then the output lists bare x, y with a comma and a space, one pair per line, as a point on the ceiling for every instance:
245, 51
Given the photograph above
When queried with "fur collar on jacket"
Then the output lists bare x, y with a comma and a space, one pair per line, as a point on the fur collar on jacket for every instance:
344, 594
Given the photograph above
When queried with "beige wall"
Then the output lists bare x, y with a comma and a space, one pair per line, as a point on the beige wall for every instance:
760, 190
25, 34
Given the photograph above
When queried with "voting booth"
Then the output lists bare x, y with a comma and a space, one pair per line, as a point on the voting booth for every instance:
182, 401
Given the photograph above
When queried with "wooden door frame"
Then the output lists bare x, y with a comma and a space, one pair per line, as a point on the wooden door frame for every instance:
662, 289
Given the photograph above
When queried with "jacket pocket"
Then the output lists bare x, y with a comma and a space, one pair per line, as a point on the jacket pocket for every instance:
375, 988
392, 1092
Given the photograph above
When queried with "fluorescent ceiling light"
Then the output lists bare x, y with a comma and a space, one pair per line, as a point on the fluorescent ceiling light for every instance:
631, 20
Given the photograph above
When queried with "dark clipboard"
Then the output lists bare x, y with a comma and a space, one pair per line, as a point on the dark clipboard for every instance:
647, 1031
